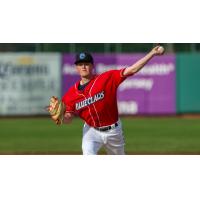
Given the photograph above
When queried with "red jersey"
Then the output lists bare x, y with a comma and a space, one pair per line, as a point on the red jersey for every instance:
97, 103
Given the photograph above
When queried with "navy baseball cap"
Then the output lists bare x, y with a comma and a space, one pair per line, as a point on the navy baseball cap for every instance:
83, 57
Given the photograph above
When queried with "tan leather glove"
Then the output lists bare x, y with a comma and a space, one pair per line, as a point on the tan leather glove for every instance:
56, 109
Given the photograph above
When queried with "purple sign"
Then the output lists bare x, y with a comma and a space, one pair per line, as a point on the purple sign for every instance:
150, 91
69, 74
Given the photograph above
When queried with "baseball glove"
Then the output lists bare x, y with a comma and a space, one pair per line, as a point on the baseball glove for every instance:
56, 109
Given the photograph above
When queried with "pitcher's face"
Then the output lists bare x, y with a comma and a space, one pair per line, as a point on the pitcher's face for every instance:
84, 69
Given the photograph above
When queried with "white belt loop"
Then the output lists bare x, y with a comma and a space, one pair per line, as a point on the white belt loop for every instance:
113, 126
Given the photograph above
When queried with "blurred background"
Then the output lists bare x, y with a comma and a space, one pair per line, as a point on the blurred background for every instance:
97, 47
159, 106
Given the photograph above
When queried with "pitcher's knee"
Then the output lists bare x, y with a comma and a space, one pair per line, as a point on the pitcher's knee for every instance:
90, 148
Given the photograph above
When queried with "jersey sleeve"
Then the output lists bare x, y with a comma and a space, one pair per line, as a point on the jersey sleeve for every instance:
70, 107
117, 76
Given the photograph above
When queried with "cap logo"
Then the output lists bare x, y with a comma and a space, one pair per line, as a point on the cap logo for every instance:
82, 56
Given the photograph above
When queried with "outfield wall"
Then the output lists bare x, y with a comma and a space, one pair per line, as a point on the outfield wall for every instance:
27, 80
168, 84
188, 83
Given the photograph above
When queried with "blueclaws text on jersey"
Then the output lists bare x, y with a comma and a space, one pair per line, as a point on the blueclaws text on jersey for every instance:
90, 100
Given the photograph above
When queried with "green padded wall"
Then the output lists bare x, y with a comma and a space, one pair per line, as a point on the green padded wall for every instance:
188, 83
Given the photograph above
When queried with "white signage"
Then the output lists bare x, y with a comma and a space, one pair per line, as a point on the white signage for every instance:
27, 81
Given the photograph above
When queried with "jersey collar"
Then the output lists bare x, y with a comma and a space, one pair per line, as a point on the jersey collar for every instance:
78, 82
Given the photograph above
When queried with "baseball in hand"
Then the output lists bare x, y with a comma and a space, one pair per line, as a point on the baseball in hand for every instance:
161, 50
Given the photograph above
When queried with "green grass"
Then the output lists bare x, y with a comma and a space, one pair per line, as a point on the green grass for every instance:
162, 136
142, 136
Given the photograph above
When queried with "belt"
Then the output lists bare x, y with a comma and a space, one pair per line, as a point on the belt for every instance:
106, 128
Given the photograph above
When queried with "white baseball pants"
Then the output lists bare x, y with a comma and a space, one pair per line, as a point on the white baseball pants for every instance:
112, 140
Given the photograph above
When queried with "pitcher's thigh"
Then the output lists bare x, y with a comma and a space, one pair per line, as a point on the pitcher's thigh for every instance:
90, 147
115, 144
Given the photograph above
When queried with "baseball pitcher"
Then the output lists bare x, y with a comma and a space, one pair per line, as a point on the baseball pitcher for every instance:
94, 99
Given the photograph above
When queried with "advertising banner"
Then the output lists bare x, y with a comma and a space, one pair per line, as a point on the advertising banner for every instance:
27, 81
151, 91
69, 74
